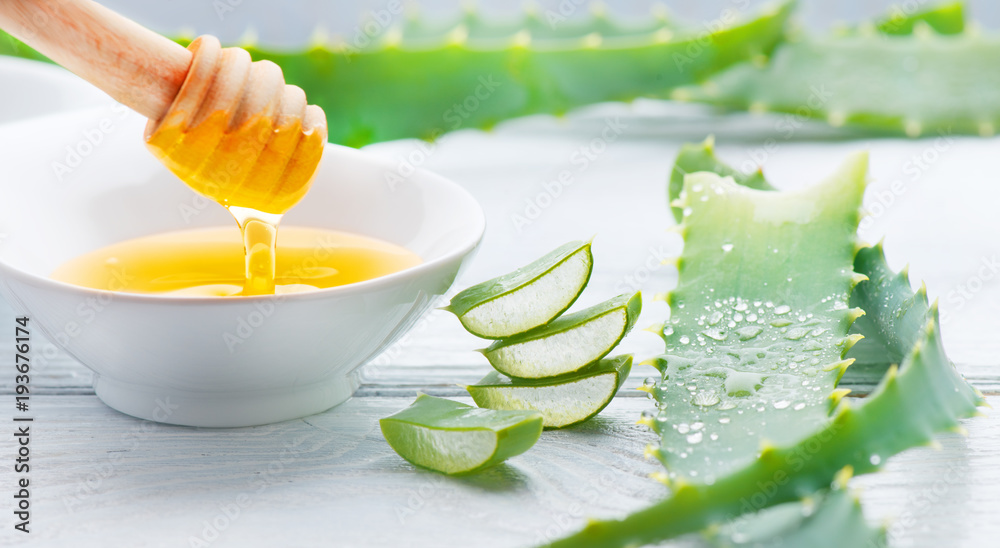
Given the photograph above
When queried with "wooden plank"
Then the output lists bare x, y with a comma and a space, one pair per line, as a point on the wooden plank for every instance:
331, 479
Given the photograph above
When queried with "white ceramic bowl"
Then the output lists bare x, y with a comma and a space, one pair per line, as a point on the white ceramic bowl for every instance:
42, 88
175, 360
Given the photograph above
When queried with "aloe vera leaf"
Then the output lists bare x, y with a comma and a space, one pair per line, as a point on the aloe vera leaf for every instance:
454, 438
563, 401
946, 18
693, 158
427, 87
881, 345
914, 84
568, 343
759, 319
423, 80
835, 521
539, 26
897, 311
528, 297
925, 395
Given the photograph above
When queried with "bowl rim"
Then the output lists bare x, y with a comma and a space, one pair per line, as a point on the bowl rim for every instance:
420, 176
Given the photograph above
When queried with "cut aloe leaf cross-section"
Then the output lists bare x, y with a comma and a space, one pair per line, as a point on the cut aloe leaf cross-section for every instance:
567, 344
528, 297
562, 401
451, 437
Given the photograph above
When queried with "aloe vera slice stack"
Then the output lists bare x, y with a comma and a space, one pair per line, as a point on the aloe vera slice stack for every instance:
563, 401
454, 438
567, 344
528, 297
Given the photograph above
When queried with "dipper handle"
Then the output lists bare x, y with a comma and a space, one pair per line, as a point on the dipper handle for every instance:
134, 65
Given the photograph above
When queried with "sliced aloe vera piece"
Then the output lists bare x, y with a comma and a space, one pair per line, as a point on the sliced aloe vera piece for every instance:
454, 438
567, 344
528, 297
563, 401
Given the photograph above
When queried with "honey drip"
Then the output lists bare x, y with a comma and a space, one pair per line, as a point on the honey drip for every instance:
260, 236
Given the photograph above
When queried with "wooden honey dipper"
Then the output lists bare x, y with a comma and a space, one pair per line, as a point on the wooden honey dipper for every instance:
230, 128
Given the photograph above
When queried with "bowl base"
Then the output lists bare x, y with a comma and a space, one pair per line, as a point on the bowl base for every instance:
223, 409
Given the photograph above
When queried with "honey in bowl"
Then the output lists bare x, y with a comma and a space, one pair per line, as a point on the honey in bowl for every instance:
209, 262
236, 133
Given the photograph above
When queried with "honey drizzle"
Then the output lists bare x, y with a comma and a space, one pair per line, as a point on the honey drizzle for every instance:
260, 240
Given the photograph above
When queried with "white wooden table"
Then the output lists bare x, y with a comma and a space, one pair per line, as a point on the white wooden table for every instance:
104, 479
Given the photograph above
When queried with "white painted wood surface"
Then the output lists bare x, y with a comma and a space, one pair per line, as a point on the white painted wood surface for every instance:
104, 479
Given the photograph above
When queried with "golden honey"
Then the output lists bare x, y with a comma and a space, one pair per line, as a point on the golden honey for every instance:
256, 165
210, 262
255, 170
236, 133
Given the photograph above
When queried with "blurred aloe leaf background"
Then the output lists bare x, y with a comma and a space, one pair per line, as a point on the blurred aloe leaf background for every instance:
391, 70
